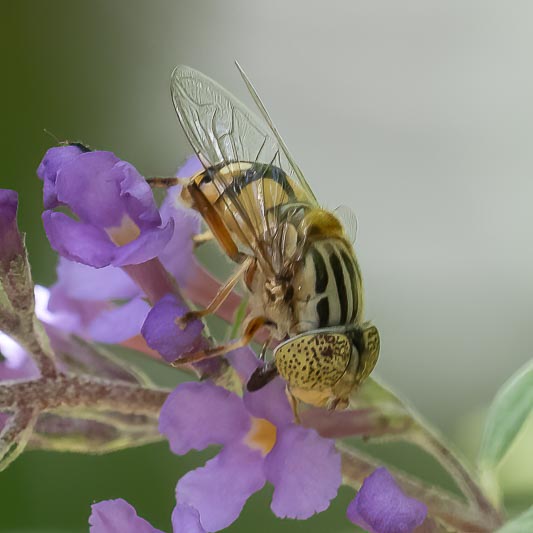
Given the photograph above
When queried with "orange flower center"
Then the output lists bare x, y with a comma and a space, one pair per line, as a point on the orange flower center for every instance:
262, 435
125, 233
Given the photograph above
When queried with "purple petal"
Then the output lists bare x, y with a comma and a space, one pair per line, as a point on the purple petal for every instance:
270, 402
10, 241
83, 282
90, 185
77, 314
78, 241
163, 334
196, 415
244, 361
120, 323
53, 160
16, 364
178, 256
191, 166
101, 189
149, 244
220, 489
62, 319
305, 470
138, 198
186, 519
380, 506
117, 516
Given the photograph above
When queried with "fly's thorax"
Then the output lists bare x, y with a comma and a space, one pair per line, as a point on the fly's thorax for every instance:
272, 297
318, 224
327, 287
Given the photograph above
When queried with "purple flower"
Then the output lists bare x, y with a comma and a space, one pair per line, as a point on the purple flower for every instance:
380, 506
163, 334
117, 205
118, 516
117, 221
10, 241
260, 443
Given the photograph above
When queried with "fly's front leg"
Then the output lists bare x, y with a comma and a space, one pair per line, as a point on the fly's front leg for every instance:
249, 332
217, 226
165, 183
219, 298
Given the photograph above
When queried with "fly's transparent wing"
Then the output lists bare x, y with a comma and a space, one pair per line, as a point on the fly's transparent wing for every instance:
226, 134
222, 130
290, 165
349, 221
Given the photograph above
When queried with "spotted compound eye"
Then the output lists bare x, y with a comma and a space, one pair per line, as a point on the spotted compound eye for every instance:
369, 352
313, 360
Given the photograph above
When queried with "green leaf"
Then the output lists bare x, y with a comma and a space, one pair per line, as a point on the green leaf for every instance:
511, 407
520, 524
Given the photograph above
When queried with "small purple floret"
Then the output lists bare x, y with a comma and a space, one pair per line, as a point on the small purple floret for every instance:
162, 332
380, 506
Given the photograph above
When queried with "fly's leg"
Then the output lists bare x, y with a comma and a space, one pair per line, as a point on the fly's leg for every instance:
264, 348
249, 332
165, 183
219, 298
295, 405
215, 223
202, 238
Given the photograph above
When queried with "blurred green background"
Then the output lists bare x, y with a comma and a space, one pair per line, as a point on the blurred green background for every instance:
418, 115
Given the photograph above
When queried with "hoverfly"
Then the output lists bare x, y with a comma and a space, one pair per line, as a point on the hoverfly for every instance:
294, 257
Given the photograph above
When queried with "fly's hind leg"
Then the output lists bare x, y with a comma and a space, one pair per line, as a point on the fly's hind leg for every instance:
220, 232
249, 332
294, 403
202, 238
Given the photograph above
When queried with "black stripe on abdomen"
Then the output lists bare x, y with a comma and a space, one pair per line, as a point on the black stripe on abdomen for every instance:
338, 273
348, 262
321, 271
322, 308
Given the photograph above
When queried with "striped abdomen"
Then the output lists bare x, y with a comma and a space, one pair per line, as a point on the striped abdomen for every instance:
328, 288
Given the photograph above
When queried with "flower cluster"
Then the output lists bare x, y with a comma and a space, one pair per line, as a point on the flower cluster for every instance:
115, 223
123, 264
